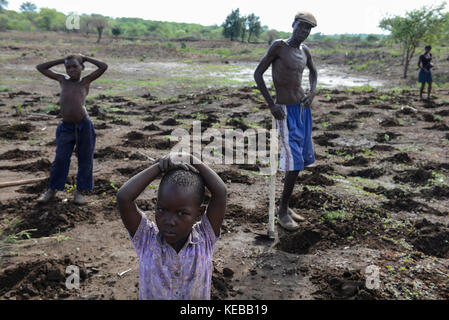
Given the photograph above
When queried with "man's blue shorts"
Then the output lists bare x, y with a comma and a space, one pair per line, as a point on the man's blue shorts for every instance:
295, 138
424, 77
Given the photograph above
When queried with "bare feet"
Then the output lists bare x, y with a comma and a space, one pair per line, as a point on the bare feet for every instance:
295, 216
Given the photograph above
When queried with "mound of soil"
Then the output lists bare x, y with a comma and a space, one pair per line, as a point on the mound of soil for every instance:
237, 123
439, 127
104, 186
390, 122
110, 153
170, 122
131, 171
308, 199
324, 139
399, 158
345, 151
241, 214
387, 136
151, 127
101, 126
436, 192
300, 242
382, 147
160, 144
36, 188
322, 168
233, 176
395, 193
357, 161
134, 135
43, 279
39, 165
346, 125
431, 239
48, 218
121, 122
16, 131
315, 179
371, 173
19, 155
409, 205
418, 176
364, 114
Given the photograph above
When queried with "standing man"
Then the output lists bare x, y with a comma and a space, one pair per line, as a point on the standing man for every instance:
292, 107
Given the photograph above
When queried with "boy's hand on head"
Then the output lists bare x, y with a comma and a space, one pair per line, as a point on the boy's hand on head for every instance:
175, 161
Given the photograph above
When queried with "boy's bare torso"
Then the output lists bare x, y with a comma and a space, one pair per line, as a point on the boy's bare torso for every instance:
287, 71
72, 100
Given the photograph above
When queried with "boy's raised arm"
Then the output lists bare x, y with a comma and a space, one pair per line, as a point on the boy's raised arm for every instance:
128, 193
44, 68
217, 205
102, 67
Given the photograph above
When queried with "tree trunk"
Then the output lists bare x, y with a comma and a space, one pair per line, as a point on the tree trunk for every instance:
100, 31
403, 55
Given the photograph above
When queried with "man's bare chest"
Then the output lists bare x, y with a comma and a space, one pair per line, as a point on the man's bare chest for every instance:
293, 59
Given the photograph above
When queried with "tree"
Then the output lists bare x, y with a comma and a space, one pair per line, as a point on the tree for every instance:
99, 23
50, 20
28, 7
3, 4
232, 25
254, 26
272, 35
422, 25
116, 31
243, 27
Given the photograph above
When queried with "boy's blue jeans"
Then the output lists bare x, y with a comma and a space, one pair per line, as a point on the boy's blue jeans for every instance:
65, 143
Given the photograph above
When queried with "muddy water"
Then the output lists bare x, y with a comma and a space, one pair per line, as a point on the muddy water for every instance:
328, 77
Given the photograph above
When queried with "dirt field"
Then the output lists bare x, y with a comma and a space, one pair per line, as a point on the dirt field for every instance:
378, 195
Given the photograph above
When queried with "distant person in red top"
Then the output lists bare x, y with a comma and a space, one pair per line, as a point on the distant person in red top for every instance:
425, 74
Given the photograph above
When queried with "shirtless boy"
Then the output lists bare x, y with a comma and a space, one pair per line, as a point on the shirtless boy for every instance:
291, 109
76, 129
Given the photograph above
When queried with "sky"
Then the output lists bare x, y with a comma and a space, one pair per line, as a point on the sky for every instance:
333, 17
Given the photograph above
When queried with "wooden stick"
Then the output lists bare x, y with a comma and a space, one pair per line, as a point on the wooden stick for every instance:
271, 233
20, 182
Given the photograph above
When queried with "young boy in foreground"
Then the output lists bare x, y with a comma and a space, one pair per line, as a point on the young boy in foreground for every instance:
76, 129
175, 253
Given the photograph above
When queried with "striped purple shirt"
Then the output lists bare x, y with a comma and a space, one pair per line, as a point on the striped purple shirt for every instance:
167, 275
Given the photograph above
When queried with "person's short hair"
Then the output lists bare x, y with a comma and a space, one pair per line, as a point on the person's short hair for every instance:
428, 47
187, 180
306, 17
75, 57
